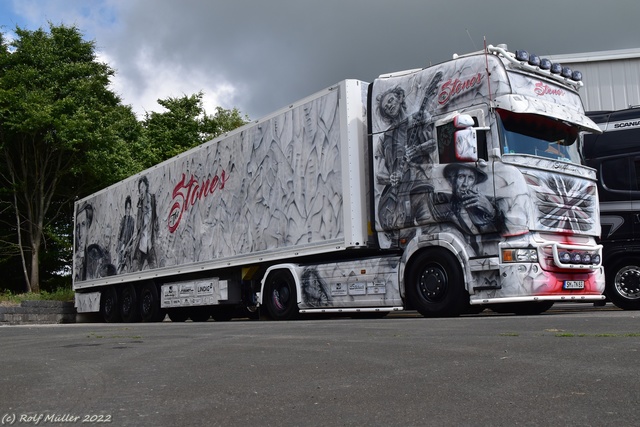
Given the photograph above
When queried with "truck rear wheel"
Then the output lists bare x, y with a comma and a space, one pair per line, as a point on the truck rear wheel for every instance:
434, 284
150, 310
129, 304
623, 284
109, 305
280, 296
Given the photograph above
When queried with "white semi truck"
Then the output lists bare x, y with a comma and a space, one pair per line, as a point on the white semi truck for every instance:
444, 190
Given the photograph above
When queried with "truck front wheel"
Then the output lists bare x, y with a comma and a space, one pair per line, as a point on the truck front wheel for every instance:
434, 284
280, 296
623, 284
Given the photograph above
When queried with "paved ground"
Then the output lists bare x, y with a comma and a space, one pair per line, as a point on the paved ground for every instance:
573, 366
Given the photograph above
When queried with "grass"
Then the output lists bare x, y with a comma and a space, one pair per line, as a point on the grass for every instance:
60, 294
607, 335
559, 333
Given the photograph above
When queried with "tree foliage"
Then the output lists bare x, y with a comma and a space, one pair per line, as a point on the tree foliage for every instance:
56, 115
184, 125
64, 135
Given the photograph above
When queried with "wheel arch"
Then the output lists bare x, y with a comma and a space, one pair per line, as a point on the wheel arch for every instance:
441, 241
292, 269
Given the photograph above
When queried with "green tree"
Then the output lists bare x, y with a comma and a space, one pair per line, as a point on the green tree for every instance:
63, 133
221, 122
184, 125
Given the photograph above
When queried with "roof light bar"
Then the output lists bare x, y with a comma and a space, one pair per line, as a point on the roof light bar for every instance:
533, 62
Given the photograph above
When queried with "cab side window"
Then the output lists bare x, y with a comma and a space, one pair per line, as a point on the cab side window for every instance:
617, 173
446, 147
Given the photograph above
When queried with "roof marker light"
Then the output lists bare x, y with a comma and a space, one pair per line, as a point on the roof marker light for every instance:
545, 64
534, 60
566, 72
577, 76
522, 55
556, 68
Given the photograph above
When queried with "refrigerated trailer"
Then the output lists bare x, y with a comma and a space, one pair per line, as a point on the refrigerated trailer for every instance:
445, 190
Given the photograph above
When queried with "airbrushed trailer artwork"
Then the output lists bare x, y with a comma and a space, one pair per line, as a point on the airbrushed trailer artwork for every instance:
445, 190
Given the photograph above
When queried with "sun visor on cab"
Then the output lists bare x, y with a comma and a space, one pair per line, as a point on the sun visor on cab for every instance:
527, 104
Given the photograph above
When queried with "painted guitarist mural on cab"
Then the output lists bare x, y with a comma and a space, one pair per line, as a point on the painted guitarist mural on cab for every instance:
404, 152
421, 180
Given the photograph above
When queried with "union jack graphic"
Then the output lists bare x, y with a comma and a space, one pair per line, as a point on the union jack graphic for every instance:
565, 203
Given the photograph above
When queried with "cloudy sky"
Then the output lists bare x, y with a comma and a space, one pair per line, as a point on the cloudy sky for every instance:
262, 55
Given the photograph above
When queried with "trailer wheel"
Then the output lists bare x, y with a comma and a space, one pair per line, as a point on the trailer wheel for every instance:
623, 284
129, 304
150, 310
280, 296
109, 305
434, 284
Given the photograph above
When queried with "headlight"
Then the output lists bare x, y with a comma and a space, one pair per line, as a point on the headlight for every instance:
520, 255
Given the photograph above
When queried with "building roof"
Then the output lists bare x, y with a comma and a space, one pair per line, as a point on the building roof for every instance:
607, 55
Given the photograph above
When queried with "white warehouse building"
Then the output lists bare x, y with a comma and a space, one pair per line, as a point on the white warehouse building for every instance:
611, 78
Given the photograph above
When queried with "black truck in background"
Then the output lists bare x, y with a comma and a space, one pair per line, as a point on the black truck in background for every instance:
615, 154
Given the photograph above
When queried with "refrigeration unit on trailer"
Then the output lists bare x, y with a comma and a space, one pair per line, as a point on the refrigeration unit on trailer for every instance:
444, 190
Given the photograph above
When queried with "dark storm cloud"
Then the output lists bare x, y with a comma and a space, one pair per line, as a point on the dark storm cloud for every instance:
278, 51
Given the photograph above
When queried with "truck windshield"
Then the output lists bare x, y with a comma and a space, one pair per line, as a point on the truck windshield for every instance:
538, 136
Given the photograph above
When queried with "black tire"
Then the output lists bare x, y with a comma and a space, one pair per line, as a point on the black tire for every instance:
178, 314
150, 310
434, 284
623, 284
280, 296
109, 309
128, 302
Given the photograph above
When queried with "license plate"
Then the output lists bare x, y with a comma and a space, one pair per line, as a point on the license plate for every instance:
573, 284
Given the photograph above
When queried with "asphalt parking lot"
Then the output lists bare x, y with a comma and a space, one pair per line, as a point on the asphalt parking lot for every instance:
575, 365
